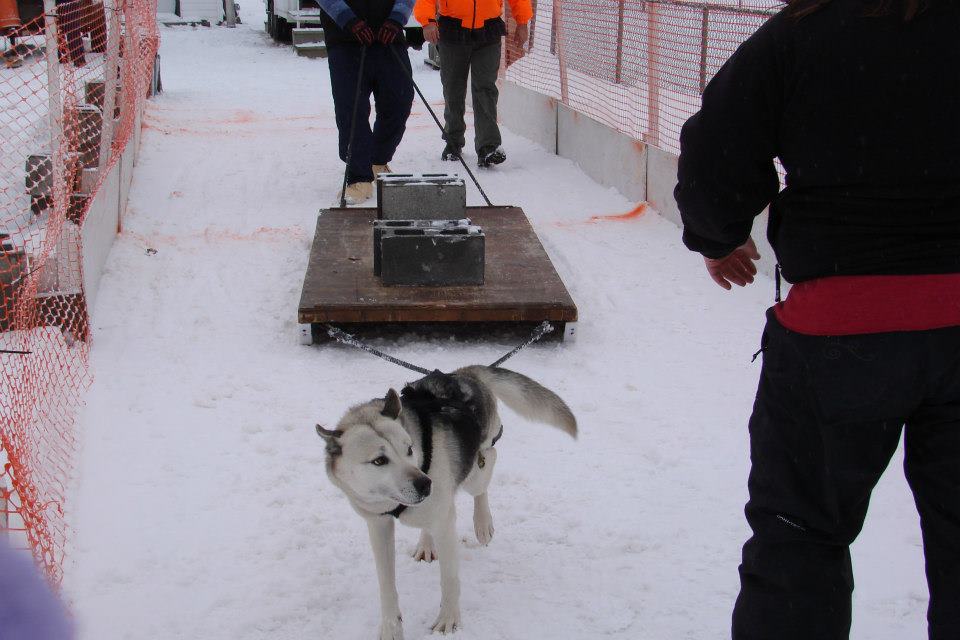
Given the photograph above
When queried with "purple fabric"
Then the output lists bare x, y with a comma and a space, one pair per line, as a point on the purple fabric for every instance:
29, 610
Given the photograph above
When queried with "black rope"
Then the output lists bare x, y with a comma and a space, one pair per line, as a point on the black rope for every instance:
14, 352
409, 73
343, 337
542, 329
353, 125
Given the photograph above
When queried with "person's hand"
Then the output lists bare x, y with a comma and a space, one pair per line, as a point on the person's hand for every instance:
736, 268
430, 33
361, 31
389, 31
520, 34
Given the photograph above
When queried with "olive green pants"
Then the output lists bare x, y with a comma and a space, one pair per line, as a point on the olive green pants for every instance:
481, 62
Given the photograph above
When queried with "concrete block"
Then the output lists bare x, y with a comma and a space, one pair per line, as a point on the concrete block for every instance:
90, 125
311, 50
432, 257
93, 93
39, 179
380, 225
307, 35
426, 196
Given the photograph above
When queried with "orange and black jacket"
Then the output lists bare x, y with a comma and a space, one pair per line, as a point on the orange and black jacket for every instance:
469, 15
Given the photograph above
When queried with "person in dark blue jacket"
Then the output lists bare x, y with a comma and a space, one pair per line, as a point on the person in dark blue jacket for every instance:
371, 31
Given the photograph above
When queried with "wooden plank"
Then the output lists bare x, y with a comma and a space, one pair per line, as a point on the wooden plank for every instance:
521, 284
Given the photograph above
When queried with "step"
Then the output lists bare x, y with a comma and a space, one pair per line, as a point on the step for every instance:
307, 35
311, 50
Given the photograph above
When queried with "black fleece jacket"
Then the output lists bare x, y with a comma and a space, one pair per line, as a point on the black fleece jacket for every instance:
864, 114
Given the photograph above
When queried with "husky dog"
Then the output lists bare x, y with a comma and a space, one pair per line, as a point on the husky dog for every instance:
404, 456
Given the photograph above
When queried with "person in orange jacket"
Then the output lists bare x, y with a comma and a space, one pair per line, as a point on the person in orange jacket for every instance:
468, 34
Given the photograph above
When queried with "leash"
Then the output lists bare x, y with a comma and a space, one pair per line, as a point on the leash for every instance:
353, 125
343, 337
409, 73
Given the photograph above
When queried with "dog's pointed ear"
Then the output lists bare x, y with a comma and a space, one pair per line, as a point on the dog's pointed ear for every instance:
332, 438
392, 406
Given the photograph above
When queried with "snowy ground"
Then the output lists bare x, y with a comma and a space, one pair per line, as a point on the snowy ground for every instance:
202, 509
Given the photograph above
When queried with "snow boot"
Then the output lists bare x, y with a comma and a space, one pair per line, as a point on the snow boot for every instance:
451, 153
359, 192
490, 157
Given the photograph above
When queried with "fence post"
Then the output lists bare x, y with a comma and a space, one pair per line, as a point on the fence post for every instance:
4, 511
704, 33
561, 54
55, 105
110, 72
621, 10
653, 75
229, 13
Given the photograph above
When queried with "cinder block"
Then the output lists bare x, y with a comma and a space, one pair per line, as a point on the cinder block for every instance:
90, 125
39, 178
380, 225
93, 93
426, 196
432, 257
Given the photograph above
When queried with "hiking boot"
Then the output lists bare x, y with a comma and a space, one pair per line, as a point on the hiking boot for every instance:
381, 168
359, 192
491, 157
451, 153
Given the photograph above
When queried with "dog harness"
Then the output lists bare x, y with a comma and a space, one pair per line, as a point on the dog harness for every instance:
427, 405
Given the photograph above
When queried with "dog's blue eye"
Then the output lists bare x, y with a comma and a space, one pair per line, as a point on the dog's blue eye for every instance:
382, 460
409, 451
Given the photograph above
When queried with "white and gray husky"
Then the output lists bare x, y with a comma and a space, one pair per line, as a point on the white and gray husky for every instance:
404, 456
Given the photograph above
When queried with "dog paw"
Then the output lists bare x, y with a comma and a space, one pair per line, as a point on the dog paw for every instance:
391, 629
483, 527
447, 621
425, 550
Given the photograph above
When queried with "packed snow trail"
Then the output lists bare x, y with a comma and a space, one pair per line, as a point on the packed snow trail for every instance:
202, 509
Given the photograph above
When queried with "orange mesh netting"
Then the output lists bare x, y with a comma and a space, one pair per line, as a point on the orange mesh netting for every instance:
638, 67
56, 149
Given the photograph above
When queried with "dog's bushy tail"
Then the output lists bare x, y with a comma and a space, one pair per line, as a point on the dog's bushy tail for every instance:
527, 397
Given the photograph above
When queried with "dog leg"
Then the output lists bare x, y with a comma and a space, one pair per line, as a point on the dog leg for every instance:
482, 519
446, 536
384, 555
425, 549
477, 484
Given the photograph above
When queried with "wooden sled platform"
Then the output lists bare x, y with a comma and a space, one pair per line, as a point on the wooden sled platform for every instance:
521, 287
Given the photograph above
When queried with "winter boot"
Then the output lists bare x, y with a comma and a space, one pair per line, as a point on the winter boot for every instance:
381, 168
490, 157
450, 153
359, 192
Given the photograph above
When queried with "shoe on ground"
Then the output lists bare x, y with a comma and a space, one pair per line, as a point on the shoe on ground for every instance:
381, 168
451, 153
491, 157
358, 192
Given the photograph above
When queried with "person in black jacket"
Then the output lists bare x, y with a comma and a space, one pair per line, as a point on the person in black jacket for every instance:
859, 100
370, 31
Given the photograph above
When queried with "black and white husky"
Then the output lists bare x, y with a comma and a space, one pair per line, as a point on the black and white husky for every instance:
404, 456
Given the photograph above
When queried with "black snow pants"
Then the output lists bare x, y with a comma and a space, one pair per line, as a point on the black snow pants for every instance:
827, 419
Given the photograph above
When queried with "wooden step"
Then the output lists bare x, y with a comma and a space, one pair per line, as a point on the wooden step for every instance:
311, 50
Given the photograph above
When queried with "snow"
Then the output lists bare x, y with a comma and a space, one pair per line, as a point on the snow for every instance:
201, 507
